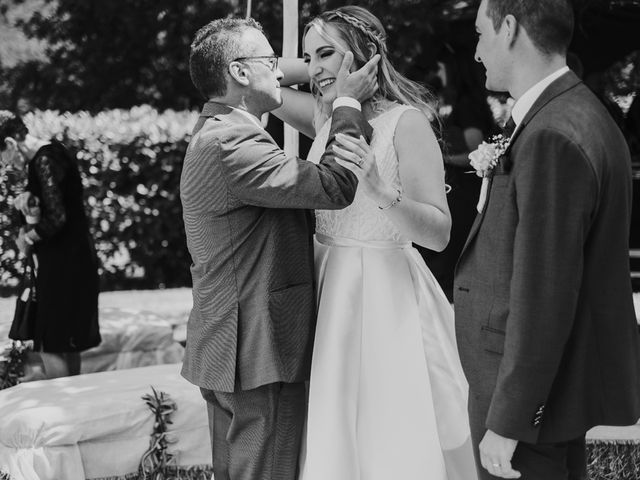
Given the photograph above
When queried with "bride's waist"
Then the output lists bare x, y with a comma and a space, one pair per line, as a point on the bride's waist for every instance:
336, 241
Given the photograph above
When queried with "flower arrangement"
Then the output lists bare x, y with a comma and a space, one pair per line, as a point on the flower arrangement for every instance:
487, 155
12, 361
157, 459
484, 159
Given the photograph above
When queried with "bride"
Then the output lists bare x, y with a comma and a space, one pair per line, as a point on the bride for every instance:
387, 394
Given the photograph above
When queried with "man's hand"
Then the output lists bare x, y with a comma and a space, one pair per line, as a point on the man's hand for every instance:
496, 453
361, 84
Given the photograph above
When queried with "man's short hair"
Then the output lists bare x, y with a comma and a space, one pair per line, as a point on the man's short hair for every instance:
213, 48
549, 23
11, 125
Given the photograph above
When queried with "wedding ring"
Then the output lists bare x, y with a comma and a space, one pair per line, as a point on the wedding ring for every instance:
360, 162
495, 464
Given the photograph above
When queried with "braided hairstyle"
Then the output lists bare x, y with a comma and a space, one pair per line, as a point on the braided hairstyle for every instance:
359, 28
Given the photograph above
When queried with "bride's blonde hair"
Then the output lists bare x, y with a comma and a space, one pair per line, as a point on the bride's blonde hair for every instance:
359, 29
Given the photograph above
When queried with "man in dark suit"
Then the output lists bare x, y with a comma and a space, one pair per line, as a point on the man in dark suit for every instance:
250, 332
544, 314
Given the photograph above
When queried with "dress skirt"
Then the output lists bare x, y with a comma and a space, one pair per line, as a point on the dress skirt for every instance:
387, 396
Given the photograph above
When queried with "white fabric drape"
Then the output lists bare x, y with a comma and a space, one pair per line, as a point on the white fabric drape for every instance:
96, 425
290, 49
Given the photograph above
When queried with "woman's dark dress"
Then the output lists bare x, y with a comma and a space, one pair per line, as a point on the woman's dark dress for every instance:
67, 280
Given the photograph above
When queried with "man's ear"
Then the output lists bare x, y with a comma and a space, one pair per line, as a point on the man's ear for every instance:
238, 72
511, 29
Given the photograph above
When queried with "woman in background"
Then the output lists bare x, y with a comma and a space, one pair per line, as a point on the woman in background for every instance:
57, 235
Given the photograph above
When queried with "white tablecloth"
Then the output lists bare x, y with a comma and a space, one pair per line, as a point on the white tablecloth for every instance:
96, 425
130, 338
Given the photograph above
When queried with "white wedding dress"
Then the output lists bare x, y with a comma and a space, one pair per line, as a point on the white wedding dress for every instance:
387, 396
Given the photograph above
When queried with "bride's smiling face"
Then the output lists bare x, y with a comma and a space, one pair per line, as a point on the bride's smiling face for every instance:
323, 58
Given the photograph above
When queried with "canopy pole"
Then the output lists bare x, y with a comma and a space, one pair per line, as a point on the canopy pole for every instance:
290, 49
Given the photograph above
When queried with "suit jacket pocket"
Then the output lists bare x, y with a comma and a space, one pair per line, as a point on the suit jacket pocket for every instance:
492, 339
292, 312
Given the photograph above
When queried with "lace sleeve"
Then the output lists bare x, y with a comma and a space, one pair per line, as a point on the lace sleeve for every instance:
50, 175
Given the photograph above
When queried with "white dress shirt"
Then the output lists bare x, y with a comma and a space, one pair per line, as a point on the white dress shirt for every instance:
526, 101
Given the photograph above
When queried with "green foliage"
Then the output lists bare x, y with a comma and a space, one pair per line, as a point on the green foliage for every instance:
115, 54
121, 53
157, 459
12, 364
130, 162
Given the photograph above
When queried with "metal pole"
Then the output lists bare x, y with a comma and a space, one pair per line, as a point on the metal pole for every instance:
290, 49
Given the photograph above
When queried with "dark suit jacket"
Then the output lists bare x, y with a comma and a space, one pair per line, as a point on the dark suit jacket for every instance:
544, 314
249, 237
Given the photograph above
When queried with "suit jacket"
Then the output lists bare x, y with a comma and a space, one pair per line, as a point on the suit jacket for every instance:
544, 314
250, 240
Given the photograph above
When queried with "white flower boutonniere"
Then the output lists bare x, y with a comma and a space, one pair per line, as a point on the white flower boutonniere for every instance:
484, 159
487, 155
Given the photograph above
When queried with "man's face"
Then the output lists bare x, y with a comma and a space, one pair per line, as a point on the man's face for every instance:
263, 73
491, 50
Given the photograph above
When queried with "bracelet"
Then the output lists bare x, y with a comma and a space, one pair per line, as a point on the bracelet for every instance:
395, 201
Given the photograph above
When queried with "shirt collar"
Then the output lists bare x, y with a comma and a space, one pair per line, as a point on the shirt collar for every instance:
526, 101
253, 118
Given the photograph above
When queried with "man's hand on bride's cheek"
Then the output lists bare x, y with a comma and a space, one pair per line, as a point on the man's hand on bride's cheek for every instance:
361, 84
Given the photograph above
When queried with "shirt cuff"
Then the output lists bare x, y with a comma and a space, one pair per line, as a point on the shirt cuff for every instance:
347, 102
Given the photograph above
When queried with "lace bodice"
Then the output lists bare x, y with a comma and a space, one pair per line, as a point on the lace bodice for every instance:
363, 220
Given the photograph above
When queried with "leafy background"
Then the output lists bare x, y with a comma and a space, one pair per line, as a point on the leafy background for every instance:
110, 79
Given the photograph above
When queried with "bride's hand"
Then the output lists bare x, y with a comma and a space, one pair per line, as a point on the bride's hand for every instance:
356, 155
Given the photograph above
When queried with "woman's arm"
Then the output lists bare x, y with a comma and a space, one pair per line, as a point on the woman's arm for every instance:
297, 107
422, 214
297, 110
53, 214
295, 71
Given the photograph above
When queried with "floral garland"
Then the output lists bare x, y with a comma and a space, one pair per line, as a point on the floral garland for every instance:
12, 363
155, 462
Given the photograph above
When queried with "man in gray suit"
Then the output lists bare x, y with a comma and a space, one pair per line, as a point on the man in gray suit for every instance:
250, 332
544, 315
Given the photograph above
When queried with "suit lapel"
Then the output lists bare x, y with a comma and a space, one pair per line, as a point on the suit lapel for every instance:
567, 81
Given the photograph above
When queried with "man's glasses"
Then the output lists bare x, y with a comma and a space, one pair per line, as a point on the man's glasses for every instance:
271, 60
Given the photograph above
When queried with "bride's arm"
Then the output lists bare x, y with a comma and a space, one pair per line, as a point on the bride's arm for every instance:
422, 214
297, 107
295, 71
297, 110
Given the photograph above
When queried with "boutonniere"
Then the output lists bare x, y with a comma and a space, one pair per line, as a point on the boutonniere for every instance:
484, 159
487, 155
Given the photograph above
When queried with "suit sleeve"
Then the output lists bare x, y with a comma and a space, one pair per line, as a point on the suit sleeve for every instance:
556, 196
259, 173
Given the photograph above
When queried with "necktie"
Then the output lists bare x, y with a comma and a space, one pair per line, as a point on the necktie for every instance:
509, 127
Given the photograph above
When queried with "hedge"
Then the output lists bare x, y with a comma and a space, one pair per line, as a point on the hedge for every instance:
130, 161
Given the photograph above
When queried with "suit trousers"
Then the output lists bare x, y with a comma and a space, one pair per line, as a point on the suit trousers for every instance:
544, 461
256, 434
